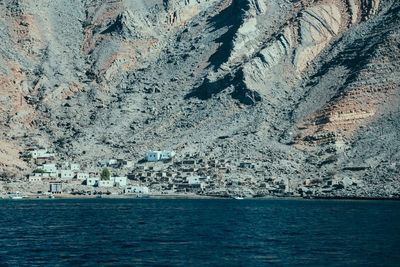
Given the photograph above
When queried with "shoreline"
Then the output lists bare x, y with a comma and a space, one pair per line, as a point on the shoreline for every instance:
69, 196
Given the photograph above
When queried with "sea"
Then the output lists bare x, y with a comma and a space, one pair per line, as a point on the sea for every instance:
199, 232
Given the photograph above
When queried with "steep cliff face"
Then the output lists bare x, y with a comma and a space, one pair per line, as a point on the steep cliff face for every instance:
283, 80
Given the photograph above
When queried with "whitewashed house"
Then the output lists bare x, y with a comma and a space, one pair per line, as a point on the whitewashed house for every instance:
136, 189
65, 165
40, 174
82, 175
56, 188
51, 169
67, 174
92, 181
40, 153
108, 162
119, 181
153, 156
105, 183
75, 167
196, 181
129, 164
34, 179
167, 154
193, 180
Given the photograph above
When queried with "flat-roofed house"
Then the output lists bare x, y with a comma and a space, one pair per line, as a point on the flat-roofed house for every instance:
56, 188
120, 181
159, 155
136, 189
49, 167
105, 183
75, 167
82, 175
92, 181
67, 174
34, 179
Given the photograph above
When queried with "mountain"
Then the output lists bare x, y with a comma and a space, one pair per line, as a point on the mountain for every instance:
310, 89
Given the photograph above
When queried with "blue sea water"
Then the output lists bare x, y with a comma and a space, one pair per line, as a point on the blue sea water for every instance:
185, 232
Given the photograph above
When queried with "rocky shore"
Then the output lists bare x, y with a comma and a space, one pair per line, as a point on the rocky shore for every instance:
389, 192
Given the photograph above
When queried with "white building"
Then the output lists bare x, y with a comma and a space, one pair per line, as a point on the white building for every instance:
159, 155
65, 165
50, 171
40, 174
49, 167
41, 153
136, 189
53, 174
129, 164
82, 175
153, 156
194, 180
67, 174
105, 183
75, 167
56, 188
108, 162
34, 179
167, 154
92, 181
120, 181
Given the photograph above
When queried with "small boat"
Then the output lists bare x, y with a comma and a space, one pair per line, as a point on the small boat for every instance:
237, 197
15, 197
51, 196
142, 196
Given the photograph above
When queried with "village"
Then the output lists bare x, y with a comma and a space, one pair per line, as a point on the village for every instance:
159, 173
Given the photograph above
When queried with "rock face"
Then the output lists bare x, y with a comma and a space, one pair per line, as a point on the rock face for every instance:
283, 81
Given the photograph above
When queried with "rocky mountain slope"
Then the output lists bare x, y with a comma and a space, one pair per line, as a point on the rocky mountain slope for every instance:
309, 87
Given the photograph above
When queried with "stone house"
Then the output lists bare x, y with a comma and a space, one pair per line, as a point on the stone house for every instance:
136, 189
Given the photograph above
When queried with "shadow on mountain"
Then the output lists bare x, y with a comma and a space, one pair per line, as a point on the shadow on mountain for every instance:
241, 93
232, 18
207, 89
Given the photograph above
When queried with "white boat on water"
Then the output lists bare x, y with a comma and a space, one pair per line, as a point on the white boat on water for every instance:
237, 197
15, 197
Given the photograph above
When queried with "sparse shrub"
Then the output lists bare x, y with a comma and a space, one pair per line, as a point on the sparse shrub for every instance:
105, 174
38, 170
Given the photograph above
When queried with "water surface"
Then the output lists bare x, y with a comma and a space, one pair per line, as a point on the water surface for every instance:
182, 232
